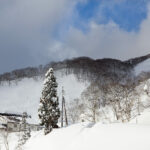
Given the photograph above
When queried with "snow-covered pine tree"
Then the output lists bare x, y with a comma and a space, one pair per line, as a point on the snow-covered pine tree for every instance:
49, 112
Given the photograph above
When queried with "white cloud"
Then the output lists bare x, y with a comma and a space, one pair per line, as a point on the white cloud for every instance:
107, 41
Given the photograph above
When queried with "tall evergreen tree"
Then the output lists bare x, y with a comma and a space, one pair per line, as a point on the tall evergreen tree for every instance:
49, 112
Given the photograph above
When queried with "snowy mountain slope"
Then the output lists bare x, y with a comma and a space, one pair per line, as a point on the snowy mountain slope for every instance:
142, 67
25, 95
87, 136
86, 67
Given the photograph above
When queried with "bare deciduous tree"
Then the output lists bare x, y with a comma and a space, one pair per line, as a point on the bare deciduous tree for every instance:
91, 100
75, 109
122, 99
5, 135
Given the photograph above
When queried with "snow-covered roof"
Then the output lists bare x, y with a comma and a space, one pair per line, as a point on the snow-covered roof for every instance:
5, 120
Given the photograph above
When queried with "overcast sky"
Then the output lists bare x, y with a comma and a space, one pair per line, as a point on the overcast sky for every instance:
34, 32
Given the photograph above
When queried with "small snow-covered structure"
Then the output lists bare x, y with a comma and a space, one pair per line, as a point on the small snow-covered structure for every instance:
11, 123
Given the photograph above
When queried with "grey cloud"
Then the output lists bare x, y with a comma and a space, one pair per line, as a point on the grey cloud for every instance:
26, 29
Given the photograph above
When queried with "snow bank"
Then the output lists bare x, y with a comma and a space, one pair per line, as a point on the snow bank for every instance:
86, 136
142, 67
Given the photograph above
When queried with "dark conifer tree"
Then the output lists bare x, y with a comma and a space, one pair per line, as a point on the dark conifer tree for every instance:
49, 112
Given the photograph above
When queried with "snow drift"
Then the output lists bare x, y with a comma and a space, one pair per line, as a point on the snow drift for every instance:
88, 136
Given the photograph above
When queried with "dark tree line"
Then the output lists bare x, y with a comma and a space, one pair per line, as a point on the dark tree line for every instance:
85, 68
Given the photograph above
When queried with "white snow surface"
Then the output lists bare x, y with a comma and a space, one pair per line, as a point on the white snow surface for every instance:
142, 67
88, 136
143, 118
25, 95
12, 140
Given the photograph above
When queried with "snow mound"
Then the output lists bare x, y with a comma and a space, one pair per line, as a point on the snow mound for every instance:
142, 67
88, 136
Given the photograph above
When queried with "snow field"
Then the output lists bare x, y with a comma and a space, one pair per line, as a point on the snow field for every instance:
88, 136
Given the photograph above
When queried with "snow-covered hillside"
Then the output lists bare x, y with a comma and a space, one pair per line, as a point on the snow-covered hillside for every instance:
88, 136
25, 95
143, 67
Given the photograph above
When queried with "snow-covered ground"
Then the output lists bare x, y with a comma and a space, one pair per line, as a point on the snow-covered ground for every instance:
82, 136
143, 67
11, 139
25, 95
88, 136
